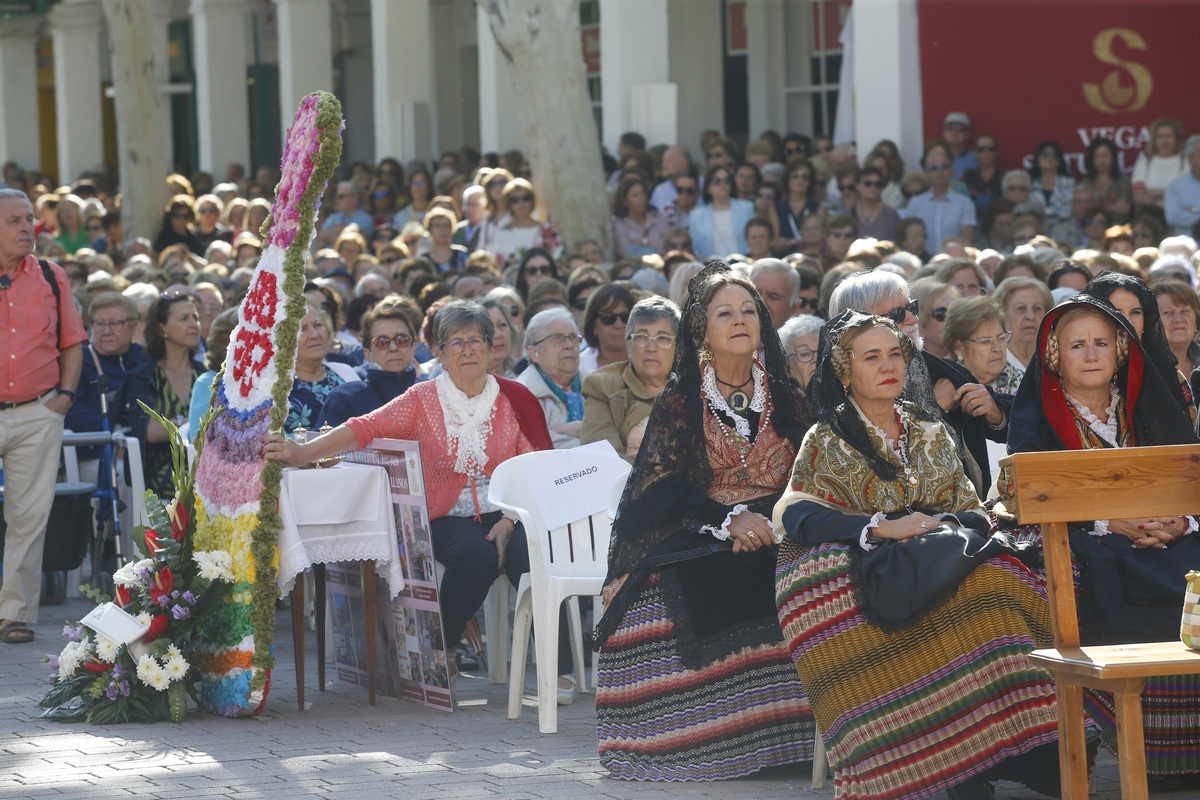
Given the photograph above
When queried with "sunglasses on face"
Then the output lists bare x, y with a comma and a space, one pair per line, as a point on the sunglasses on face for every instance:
792, 151
609, 317
900, 313
985, 148
1047, 154
720, 181
872, 184
846, 187
383, 193
677, 245
841, 234
938, 313
521, 198
538, 269
497, 183
808, 302
938, 167
401, 340
685, 189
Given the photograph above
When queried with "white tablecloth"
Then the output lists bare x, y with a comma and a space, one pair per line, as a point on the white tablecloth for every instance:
342, 513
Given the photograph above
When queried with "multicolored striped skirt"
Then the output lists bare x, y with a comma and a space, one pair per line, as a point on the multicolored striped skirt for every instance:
911, 711
657, 719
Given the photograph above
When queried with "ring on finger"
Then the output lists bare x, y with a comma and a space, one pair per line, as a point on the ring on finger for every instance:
752, 535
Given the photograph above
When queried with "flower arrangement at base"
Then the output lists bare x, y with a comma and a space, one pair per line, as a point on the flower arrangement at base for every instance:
237, 490
134, 657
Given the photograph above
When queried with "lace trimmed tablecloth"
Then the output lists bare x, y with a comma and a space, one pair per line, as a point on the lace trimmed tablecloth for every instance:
341, 513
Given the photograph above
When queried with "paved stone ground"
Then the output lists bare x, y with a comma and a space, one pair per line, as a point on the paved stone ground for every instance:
340, 748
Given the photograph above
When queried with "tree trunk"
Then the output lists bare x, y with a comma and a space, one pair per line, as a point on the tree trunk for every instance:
143, 162
541, 41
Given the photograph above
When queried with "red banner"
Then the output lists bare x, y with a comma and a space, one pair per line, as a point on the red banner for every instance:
1068, 70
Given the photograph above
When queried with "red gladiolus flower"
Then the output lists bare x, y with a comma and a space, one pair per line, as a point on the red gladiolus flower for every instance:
97, 667
179, 522
158, 627
163, 582
121, 597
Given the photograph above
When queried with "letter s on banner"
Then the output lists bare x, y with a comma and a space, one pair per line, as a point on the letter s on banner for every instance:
1109, 96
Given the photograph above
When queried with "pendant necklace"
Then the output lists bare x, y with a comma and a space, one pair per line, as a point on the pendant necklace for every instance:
739, 401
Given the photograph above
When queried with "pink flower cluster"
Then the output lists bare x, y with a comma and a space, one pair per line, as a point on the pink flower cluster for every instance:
297, 166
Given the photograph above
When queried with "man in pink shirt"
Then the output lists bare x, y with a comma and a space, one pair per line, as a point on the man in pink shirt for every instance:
40, 360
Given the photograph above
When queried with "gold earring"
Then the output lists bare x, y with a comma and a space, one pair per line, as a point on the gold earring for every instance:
706, 354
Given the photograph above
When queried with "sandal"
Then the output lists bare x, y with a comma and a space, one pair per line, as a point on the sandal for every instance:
15, 632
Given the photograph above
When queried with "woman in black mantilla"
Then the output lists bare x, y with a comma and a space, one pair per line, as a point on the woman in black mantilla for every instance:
1092, 385
1131, 296
694, 680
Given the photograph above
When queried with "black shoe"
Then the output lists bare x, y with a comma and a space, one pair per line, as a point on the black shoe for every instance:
975, 788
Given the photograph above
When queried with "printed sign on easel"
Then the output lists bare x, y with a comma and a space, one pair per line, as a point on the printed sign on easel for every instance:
414, 632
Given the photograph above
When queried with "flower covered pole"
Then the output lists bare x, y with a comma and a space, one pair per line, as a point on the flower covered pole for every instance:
237, 490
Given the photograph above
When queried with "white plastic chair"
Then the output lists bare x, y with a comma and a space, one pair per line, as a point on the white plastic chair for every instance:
564, 563
137, 476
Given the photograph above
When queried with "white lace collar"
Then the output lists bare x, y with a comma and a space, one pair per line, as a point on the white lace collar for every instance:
900, 446
1105, 430
714, 396
468, 422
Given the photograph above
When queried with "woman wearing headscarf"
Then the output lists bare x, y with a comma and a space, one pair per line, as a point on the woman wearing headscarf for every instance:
1136, 301
919, 678
695, 682
1092, 385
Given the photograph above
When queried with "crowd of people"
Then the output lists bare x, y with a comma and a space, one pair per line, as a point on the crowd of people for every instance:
805, 356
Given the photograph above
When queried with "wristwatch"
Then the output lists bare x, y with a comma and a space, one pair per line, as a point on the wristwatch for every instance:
67, 392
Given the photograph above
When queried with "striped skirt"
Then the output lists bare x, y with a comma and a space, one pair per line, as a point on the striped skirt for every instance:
656, 719
906, 713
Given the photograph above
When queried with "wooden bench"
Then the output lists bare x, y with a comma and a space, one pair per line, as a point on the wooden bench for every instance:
1053, 489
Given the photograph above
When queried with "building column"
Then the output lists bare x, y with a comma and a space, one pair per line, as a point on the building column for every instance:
75, 28
499, 112
19, 132
305, 54
219, 29
765, 29
887, 76
635, 72
401, 48
162, 14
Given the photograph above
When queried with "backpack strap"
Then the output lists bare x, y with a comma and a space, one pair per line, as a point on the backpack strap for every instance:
48, 274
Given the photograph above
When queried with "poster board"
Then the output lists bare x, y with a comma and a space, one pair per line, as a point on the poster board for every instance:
409, 627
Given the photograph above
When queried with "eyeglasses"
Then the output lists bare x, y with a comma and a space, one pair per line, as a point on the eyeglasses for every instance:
720, 181
985, 148
609, 317
803, 355
521, 198
872, 184
456, 346
1047, 154
208, 210
938, 167
662, 341
685, 189
991, 341
938, 313
497, 183
401, 340
900, 313
539, 269
558, 340
115, 325
383, 193
420, 182
388, 261
846, 187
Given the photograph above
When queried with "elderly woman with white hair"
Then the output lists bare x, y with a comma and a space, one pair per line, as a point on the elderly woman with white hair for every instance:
617, 398
552, 345
964, 402
799, 339
1025, 301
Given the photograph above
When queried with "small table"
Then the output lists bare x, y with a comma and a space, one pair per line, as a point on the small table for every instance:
341, 513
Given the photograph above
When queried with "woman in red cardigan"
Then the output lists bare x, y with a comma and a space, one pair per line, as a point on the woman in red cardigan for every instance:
468, 422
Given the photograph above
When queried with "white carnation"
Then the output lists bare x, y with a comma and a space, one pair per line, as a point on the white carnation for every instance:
159, 680
106, 649
176, 667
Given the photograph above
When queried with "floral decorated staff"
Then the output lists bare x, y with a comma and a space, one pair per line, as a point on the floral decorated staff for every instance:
237, 491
